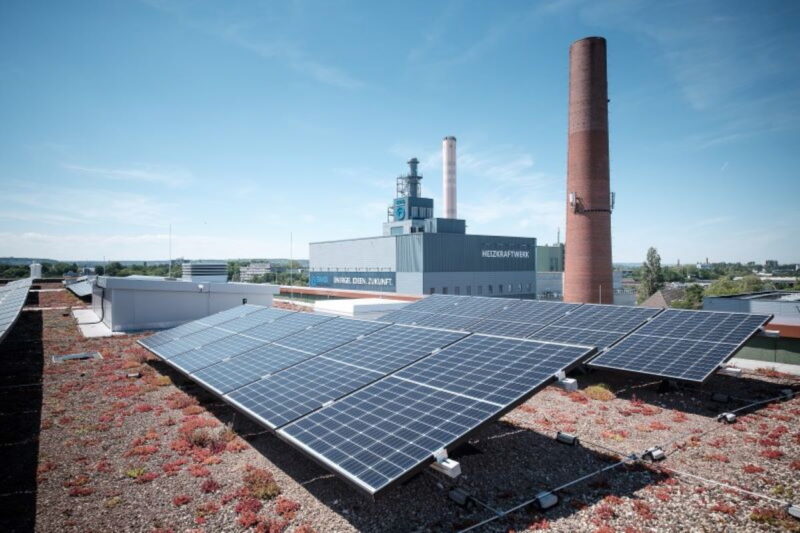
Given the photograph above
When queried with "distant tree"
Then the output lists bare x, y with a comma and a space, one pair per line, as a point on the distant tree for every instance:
652, 276
99, 270
693, 298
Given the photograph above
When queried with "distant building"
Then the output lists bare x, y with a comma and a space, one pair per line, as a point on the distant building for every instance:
770, 264
550, 258
664, 297
419, 253
251, 271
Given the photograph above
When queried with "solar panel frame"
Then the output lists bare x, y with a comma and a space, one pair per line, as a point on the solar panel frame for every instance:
431, 320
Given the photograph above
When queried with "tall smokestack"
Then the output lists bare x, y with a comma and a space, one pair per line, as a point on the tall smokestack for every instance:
587, 273
449, 176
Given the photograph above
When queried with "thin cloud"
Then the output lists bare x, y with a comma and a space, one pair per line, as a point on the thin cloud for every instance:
168, 177
242, 34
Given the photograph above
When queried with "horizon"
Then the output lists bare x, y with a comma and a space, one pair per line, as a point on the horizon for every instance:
238, 126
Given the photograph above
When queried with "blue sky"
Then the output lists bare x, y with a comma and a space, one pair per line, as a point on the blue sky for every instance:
240, 123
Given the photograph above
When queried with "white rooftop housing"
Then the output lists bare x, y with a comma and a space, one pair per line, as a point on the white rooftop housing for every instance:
149, 302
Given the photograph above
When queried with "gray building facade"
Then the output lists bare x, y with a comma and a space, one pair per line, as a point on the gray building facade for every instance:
428, 263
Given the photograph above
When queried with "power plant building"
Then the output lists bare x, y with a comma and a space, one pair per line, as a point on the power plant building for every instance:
421, 254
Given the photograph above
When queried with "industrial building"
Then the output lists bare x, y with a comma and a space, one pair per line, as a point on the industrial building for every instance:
422, 254
254, 270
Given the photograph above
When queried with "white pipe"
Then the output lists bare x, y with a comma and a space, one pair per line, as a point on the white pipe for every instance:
449, 176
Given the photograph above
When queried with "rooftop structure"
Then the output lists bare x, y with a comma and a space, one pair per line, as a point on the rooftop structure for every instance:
587, 273
138, 303
206, 271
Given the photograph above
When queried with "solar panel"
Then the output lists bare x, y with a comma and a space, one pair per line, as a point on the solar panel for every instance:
262, 316
163, 337
285, 326
430, 320
291, 393
433, 303
493, 369
733, 328
391, 348
81, 289
385, 431
328, 335
300, 389
214, 352
234, 373
684, 345
504, 328
477, 306
534, 311
12, 299
229, 314
595, 325
190, 342
382, 432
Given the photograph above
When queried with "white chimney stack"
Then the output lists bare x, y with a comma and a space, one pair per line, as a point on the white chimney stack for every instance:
449, 176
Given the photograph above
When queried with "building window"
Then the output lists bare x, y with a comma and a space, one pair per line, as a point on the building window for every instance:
491, 289
469, 290
500, 288
457, 290
529, 287
480, 289
432, 290
519, 287
444, 290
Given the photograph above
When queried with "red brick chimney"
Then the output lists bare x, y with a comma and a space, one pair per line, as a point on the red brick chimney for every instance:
587, 272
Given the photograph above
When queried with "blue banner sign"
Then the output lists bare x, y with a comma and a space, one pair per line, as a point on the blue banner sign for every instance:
363, 281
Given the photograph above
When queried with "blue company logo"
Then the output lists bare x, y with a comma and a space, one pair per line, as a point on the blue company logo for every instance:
399, 209
319, 279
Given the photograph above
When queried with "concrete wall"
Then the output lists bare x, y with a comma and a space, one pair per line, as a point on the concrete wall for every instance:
137, 304
753, 305
354, 254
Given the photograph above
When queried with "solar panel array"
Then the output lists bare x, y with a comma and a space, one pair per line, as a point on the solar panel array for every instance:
375, 400
12, 298
383, 432
281, 368
681, 344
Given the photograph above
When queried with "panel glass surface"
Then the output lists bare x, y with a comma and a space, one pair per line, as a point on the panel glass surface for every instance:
519, 330
534, 311
328, 335
685, 345
493, 369
298, 390
381, 432
229, 314
579, 336
231, 374
394, 347
262, 316
285, 326
214, 352
733, 328
617, 318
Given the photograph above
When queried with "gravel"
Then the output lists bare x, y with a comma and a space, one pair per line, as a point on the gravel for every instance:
102, 436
